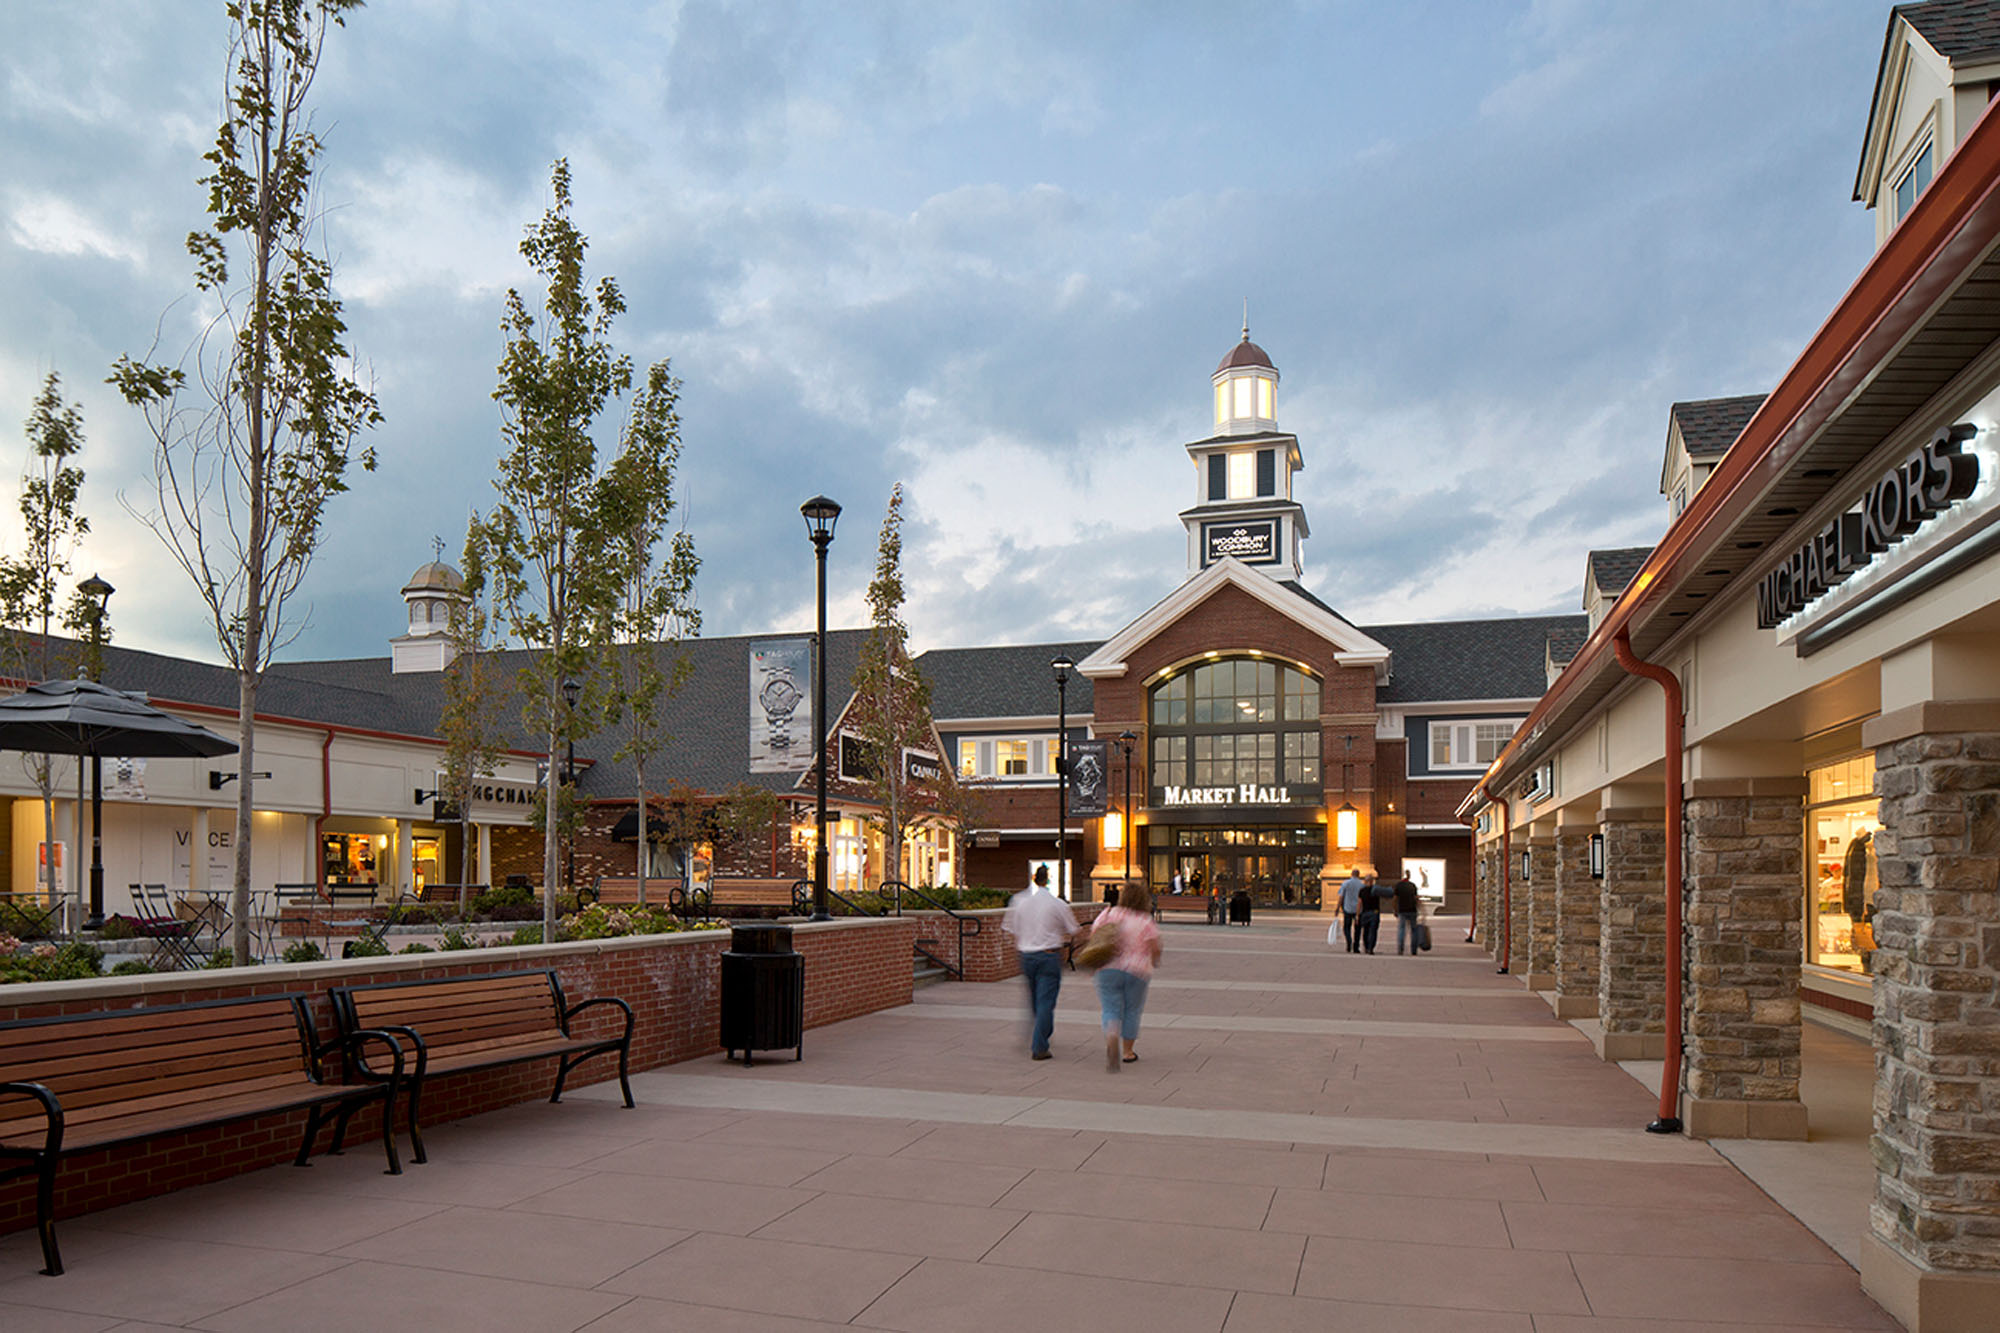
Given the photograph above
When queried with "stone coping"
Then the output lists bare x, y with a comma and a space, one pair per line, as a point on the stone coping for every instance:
275, 975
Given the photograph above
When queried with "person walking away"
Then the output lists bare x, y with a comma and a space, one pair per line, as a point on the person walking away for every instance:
1370, 925
1406, 913
1350, 910
1122, 982
1039, 923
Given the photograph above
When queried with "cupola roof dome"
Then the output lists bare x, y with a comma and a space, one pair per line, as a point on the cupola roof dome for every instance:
1245, 353
435, 575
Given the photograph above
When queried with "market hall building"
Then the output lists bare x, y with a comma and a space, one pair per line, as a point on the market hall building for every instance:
1766, 790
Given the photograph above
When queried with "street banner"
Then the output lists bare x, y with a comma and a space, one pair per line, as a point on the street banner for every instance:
780, 707
1089, 772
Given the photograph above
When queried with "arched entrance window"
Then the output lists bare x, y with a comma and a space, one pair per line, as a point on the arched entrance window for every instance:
1236, 721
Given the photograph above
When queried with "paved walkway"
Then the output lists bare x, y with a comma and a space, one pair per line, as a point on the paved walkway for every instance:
1309, 1140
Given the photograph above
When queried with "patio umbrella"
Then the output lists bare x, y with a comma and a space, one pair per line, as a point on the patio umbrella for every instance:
82, 717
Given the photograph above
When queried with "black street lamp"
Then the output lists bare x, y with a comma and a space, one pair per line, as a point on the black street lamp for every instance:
820, 515
1062, 666
1125, 739
570, 690
99, 592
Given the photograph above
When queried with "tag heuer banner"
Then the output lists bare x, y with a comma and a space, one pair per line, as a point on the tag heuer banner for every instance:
1089, 778
780, 713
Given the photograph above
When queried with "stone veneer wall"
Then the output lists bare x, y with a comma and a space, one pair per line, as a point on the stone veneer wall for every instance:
1937, 1002
671, 982
1517, 897
1745, 940
1632, 939
1540, 891
1576, 924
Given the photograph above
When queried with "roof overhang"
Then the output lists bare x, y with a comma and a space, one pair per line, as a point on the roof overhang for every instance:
1925, 307
1351, 646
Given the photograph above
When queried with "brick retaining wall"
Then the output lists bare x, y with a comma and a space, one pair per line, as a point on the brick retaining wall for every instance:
671, 981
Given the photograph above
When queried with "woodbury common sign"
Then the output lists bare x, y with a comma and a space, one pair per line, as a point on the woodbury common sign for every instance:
1930, 480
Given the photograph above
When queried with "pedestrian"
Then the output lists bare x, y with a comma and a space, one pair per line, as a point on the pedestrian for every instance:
1122, 982
1406, 913
1040, 923
1370, 925
1350, 910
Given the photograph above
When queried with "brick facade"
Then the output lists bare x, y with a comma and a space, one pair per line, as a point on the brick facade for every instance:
1745, 939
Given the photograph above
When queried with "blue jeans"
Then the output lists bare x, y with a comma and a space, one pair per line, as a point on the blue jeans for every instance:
1406, 924
1043, 973
1122, 997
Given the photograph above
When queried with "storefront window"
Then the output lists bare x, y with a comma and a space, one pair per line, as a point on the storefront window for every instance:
1841, 824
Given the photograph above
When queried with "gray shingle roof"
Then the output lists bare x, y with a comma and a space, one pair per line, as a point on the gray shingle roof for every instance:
1612, 570
1469, 659
1959, 29
1009, 681
1566, 642
1710, 425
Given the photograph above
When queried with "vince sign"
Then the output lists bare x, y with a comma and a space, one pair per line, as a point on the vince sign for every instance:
1926, 483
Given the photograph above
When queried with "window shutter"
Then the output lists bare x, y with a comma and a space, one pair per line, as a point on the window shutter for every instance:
1218, 477
1267, 472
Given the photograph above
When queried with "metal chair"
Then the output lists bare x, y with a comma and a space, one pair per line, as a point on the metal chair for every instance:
173, 938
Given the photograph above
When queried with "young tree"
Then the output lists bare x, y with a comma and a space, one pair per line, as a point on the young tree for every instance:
31, 581
892, 705
244, 476
465, 724
552, 546
658, 609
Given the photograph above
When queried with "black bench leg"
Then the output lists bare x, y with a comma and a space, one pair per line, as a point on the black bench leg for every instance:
45, 1217
389, 1131
563, 1066
313, 1118
417, 1153
624, 1083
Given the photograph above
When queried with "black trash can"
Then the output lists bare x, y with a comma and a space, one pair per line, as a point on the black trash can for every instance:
763, 991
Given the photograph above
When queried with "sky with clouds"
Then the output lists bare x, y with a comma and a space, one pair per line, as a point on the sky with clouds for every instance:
993, 252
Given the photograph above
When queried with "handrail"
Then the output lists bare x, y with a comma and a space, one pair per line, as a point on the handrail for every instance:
963, 918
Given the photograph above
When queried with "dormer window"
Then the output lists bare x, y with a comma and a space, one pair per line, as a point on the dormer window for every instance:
1912, 182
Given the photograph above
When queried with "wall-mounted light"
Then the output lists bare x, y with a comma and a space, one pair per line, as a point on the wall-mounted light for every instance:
423, 794
1526, 866
1346, 827
1114, 831
217, 780
1597, 856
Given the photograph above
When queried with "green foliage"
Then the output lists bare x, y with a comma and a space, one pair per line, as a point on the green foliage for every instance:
74, 961
305, 951
598, 922
457, 938
414, 947
118, 928
131, 967
20, 923
364, 947
488, 901
225, 957
526, 935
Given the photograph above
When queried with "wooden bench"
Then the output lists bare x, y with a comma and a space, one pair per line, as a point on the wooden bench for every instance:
465, 1023
1184, 905
754, 892
623, 891
81, 1082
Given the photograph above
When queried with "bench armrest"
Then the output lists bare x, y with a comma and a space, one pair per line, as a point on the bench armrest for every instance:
51, 1110
354, 1047
582, 1005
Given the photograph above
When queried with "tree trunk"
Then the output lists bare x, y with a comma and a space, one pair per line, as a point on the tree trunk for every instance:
639, 767
239, 896
551, 846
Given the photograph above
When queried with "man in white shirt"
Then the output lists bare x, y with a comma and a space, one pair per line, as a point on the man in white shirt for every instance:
1040, 923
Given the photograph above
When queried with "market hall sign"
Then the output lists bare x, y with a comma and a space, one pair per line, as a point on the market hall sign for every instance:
1925, 484
1252, 543
1247, 793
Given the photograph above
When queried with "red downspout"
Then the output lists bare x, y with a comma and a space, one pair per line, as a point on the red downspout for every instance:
1670, 1077
1506, 885
318, 852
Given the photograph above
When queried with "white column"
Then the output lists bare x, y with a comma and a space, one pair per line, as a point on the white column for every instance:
198, 851
485, 854
406, 876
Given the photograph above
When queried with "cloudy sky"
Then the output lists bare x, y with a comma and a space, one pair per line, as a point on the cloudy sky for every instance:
993, 252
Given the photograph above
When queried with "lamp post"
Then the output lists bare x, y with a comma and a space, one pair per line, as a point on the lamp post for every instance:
571, 688
99, 592
1125, 739
820, 515
1062, 666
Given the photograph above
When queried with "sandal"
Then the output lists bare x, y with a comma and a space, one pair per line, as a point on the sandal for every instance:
1131, 1059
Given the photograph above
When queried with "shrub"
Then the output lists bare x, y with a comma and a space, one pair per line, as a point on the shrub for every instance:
226, 957
526, 935
305, 951
131, 967
414, 947
118, 928
20, 923
457, 938
49, 962
506, 898
364, 948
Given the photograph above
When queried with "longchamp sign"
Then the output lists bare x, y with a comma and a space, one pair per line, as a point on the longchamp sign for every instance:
1926, 483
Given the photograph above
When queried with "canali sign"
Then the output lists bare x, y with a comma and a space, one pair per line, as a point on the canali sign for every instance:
1925, 484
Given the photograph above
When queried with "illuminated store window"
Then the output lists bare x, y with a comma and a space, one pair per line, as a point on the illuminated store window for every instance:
1470, 744
1841, 823
1242, 720
1007, 757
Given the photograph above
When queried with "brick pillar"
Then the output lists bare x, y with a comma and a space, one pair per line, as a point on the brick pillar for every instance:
1632, 935
1932, 1252
1540, 891
1745, 940
1576, 923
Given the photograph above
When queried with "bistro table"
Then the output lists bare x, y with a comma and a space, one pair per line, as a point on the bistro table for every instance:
36, 916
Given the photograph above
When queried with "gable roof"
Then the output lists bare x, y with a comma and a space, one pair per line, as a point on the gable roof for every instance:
1613, 569
1965, 33
1351, 646
1008, 681
1959, 29
1708, 426
1470, 659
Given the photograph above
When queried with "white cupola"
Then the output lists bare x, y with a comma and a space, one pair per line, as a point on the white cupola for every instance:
1243, 473
1246, 390
429, 596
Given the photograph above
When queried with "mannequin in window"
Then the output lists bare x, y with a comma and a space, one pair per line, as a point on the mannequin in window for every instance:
1857, 888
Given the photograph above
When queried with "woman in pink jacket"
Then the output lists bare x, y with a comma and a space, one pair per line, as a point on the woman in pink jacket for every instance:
1121, 983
